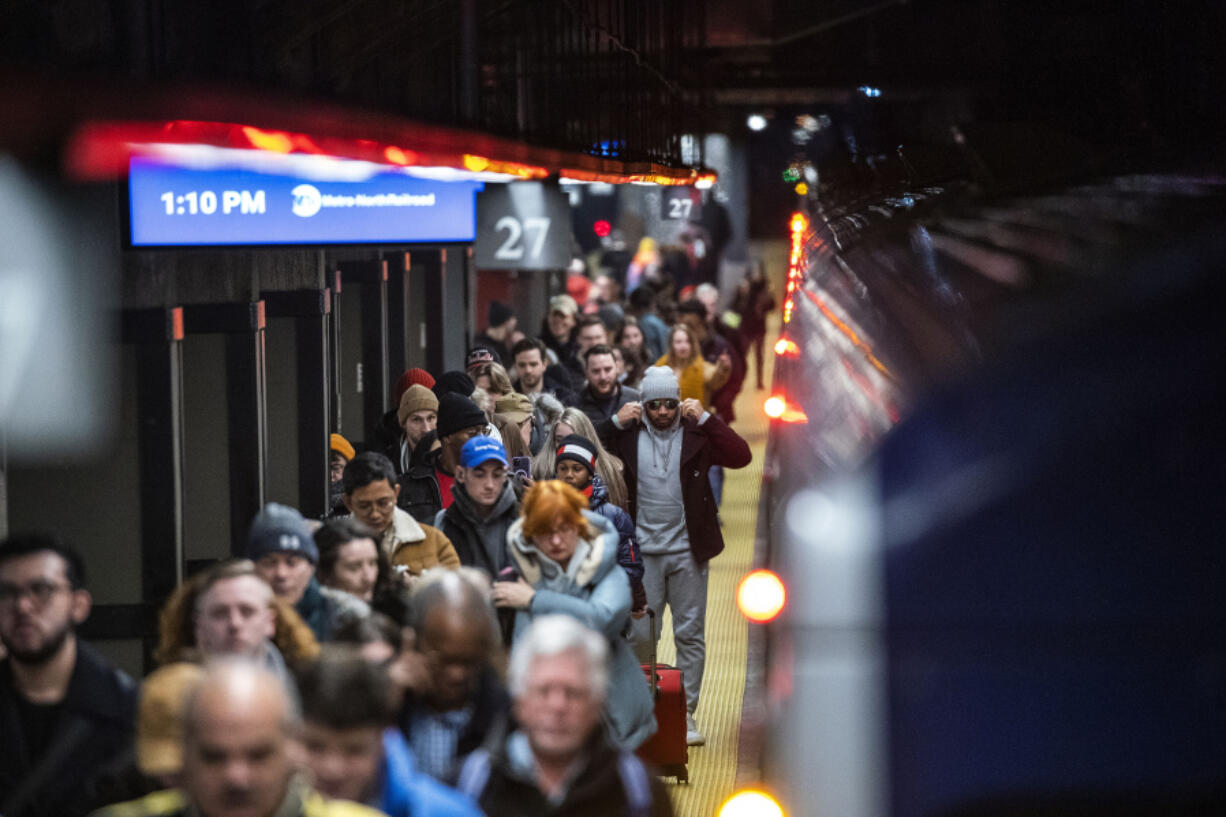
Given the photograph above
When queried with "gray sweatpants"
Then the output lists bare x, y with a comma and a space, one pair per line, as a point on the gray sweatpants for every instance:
676, 579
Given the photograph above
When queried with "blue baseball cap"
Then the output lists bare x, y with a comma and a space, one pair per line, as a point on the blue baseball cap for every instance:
481, 449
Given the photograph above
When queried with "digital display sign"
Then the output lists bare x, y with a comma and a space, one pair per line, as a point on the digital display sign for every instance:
173, 206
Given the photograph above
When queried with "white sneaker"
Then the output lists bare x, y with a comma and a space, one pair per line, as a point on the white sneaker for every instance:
693, 737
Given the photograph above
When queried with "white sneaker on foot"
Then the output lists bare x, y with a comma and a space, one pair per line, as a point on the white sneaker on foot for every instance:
693, 737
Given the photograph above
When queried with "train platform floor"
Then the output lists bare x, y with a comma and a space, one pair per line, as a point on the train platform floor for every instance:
713, 768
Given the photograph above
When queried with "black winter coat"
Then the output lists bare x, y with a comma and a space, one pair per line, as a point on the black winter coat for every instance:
601, 410
96, 722
419, 490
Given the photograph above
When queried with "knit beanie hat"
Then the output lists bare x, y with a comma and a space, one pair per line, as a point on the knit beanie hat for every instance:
341, 446
454, 382
280, 529
578, 449
456, 413
416, 398
659, 383
411, 377
500, 313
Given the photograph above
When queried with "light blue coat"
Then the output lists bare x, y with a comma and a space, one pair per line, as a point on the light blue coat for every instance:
594, 589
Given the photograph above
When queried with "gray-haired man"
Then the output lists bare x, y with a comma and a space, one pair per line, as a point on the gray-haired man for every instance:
558, 760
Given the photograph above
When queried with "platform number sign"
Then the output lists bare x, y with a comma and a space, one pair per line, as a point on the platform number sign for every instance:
681, 204
523, 226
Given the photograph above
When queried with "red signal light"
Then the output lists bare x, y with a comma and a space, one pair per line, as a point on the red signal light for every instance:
602, 228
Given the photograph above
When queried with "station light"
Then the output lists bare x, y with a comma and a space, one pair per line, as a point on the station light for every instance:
751, 803
786, 347
761, 596
756, 122
778, 408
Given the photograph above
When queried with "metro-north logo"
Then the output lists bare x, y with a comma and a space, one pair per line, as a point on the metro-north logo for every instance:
307, 200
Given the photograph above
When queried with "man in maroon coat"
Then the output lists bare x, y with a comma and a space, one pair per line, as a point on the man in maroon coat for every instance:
668, 445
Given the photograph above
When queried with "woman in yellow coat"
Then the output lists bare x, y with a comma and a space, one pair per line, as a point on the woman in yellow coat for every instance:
696, 377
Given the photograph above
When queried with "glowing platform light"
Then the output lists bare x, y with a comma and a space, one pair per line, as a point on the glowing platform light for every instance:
761, 596
778, 408
756, 122
786, 347
751, 803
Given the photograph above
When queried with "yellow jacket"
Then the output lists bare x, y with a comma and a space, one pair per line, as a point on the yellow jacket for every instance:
698, 380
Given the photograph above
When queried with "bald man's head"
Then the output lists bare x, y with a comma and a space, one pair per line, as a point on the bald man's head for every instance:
240, 735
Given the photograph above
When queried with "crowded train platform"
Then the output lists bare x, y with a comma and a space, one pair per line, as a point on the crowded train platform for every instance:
611, 407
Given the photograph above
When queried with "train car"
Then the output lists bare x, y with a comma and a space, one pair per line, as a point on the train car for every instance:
993, 493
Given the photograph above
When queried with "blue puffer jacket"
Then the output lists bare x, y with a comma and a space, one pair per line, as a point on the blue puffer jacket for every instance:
407, 792
628, 555
594, 590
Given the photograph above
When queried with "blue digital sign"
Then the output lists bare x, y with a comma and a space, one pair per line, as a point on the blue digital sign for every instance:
173, 206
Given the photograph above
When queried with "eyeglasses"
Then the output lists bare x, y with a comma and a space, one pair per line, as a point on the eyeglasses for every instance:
367, 506
667, 403
39, 592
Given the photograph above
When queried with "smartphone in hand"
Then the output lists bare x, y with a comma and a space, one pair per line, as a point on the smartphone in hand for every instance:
521, 467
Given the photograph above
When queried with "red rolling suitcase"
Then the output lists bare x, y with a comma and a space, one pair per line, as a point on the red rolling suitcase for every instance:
666, 750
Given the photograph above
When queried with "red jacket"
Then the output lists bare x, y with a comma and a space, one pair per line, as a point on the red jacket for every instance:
712, 443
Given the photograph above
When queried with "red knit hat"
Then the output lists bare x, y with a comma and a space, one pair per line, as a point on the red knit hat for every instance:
412, 377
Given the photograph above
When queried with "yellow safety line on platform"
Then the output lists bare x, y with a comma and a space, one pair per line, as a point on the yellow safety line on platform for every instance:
713, 767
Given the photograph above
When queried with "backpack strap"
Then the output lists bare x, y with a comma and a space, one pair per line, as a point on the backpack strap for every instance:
636, 783
474, 774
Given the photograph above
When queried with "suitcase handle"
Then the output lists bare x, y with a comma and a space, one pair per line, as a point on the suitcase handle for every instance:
654, 681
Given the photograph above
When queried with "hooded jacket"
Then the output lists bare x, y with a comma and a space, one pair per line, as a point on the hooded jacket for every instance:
595, 590
479, 541
711, 443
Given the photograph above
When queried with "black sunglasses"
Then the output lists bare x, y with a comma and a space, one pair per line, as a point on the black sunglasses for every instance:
656, 405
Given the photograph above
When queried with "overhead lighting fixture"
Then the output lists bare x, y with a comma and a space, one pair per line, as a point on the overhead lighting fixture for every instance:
756, 122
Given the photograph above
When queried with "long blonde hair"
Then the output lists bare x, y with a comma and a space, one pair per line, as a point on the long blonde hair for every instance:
695, 350
608, 466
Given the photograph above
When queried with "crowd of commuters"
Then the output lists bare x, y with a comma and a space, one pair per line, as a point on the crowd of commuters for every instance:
461, 633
